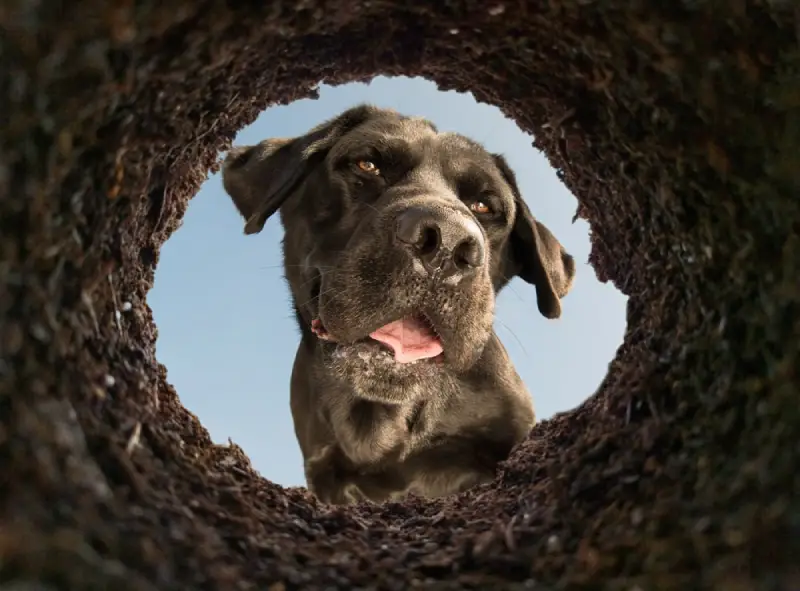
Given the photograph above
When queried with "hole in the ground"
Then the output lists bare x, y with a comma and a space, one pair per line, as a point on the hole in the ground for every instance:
227, 333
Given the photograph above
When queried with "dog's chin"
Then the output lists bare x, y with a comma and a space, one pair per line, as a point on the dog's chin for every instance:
373, 373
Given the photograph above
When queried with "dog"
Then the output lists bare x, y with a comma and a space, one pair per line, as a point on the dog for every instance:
397, 239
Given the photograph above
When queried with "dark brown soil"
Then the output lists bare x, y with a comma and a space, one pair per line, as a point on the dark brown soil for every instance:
678, 128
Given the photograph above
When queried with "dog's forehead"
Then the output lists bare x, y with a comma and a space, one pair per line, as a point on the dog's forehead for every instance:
393, 126
459, 149
420, 134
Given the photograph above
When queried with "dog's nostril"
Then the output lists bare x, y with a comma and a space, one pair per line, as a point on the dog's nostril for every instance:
414, 229
468, 254
443, 242
430, 241
409, 227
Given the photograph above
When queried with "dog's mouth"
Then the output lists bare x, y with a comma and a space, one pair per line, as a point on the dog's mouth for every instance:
409, 339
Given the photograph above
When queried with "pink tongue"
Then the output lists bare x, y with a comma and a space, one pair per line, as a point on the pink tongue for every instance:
410, 339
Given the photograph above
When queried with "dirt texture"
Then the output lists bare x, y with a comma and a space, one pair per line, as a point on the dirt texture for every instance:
677, 126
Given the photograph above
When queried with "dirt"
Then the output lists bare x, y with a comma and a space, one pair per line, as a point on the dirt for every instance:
678, 129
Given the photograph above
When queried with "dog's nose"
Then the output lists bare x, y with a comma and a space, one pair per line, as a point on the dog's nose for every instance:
445, 243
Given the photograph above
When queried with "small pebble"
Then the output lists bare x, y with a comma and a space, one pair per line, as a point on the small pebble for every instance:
40, 333
553, 544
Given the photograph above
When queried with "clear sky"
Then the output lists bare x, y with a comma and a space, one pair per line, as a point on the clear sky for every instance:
226, 331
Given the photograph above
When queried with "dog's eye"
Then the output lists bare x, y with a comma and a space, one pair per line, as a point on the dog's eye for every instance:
369, 167
480, 207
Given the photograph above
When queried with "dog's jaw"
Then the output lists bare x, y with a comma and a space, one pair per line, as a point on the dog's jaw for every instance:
460, 325
369, 370
409, 340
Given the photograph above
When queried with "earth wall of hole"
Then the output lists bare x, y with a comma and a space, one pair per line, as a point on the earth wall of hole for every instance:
678, 129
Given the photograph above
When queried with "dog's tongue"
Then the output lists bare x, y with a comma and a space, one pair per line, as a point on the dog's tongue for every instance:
410, 339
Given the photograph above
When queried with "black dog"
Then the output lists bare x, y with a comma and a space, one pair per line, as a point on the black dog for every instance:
397, 239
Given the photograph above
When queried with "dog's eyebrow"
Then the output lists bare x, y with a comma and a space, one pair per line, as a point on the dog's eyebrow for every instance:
394, 147
474, 178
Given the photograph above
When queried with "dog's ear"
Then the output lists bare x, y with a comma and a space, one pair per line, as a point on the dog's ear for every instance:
538, 257
260, 178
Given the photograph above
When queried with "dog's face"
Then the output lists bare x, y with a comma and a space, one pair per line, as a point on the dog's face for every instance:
397, 239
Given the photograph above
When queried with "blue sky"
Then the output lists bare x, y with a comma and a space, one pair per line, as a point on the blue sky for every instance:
226, 331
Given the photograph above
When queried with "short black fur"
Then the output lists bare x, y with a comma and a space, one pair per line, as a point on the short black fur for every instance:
387, 218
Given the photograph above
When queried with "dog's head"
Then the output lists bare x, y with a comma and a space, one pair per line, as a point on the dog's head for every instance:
397, 238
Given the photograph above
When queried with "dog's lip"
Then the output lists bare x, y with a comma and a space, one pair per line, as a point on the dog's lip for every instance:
320, 331
318, 328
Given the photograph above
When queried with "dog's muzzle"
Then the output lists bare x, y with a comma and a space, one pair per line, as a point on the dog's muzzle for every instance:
442, 243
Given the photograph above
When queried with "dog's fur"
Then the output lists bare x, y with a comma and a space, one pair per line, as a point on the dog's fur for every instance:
371, 428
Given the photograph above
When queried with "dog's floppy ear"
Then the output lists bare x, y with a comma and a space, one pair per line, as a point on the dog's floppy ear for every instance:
538, 256
260, 178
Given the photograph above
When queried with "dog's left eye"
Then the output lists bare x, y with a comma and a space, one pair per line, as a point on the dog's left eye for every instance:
480, 207
369, 167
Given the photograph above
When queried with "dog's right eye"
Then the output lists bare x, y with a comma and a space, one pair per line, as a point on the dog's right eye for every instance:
369, 167
481, 207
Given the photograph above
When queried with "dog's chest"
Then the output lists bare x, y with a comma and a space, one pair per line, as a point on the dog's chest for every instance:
419, 422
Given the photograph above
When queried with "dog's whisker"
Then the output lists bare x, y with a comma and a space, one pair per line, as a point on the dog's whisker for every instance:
375, 209
511, 287
327, 291
265, 267
513, 334
319, 295
320, 276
